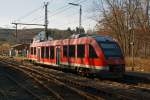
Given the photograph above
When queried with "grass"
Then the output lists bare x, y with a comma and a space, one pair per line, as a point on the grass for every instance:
140, 64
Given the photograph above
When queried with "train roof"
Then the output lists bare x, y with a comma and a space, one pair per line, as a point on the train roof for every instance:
76, 38
97, 37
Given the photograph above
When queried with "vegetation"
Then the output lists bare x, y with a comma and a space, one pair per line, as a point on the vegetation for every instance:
4, 48
26, 35
60, 34
142, 64
128, 22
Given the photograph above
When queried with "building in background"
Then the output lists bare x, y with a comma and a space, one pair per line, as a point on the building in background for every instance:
19, 50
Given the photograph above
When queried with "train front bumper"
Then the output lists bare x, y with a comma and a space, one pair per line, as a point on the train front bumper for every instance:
109, 72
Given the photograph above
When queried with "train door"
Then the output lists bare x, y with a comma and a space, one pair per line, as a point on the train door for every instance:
57, 55
38, 54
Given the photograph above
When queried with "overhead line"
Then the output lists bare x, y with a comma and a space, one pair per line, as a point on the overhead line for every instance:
55, 11
28, 24
64, 6
28, 14
66, 9
37, 18
61, 8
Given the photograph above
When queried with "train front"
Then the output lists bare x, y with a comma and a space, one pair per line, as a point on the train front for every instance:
113, 57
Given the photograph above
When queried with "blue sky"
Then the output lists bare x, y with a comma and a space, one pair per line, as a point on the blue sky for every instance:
61, 15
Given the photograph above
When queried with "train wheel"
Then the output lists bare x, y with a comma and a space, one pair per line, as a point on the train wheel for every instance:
81, 72
92, 75
84, 72
87, 72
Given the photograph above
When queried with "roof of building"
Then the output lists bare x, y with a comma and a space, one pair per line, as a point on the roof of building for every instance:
20, 46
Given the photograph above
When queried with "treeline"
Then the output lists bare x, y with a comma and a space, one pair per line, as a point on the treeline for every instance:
62, 34
27, 35
8, 37
128, 21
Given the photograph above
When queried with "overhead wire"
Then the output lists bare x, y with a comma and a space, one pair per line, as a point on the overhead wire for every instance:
72, 14
56, 12
29, 13
37, 19
64, 6
67, 8
60, 10
86, 20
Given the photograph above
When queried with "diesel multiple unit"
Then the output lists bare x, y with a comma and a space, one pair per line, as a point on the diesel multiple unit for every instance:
86, 54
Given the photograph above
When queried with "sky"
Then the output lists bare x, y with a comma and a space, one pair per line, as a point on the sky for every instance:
61, 15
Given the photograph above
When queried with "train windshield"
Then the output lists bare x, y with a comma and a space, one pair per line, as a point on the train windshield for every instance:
111, 49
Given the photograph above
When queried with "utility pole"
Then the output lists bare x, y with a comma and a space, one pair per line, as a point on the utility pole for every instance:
133, 54
16, 24
147, 11
80, 19
16, 30
46, 20
28, 24
80, 15
131, 26
45, 23
133, 44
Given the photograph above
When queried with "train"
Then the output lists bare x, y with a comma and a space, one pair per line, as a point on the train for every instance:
86, 54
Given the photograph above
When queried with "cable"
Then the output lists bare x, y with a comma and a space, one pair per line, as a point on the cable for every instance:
52, 16
57, 11
86, 20
61, 8
28, 14
72, 14
66, 8
37, 19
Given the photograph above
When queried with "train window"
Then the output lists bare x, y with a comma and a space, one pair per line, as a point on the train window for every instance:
92, 53
65, 50
52, 52
111, 49
80, 51
47, 52
31, 50
71, 50
34, 50
42, 52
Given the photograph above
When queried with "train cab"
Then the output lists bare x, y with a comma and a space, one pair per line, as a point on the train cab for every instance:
113, 56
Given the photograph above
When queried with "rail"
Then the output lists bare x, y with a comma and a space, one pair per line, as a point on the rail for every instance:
43, 72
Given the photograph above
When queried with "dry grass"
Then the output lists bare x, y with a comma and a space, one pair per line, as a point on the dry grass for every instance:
141, 64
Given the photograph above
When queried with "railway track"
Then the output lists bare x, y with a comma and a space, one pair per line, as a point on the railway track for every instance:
2, 95
95, 85
14, 88
15, 85
36, 97
120, 83
56, 85
97, 89
50, 79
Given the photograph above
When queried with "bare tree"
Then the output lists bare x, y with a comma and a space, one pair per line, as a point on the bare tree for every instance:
126, 20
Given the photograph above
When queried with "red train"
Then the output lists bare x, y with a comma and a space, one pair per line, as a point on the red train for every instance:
86, 54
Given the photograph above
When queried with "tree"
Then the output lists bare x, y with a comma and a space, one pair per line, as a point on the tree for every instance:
81, 30
126, 20
5, 48
69, 29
